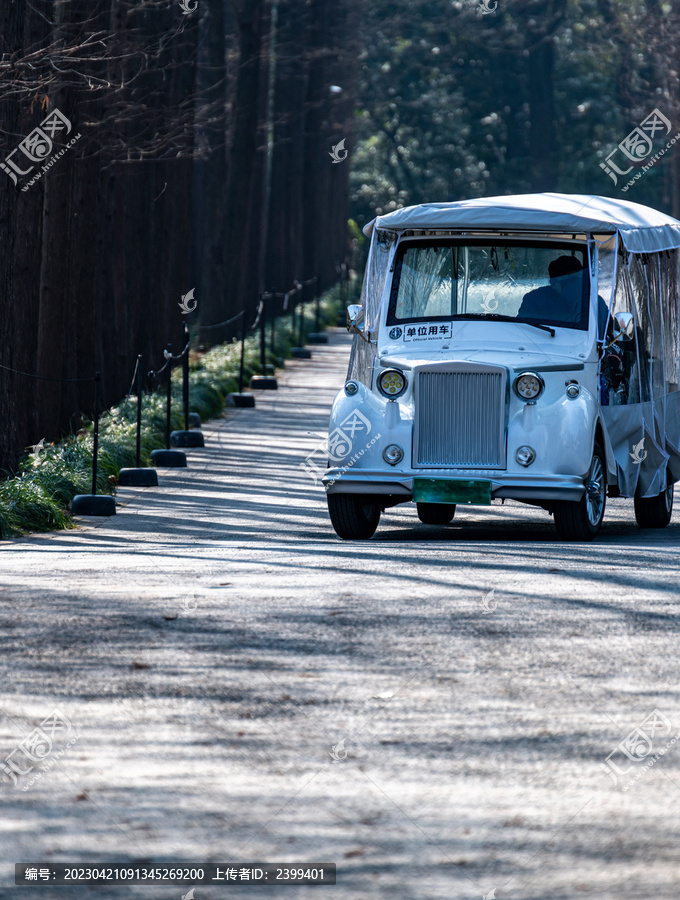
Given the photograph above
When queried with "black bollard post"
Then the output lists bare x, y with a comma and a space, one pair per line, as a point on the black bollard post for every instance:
243, 401
95, 449
185, 378
263, 382
192, 419
186, 438
140, 376
168, 458
317, 313
263, 336
317, 337
301, 322
168, 398
243, 354
272, 330
300, 352
94, 504
139, 477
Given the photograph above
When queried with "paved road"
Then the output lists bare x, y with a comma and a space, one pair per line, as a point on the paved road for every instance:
212, 644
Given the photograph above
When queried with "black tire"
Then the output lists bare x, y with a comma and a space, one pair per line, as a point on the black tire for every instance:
436, 513
654, 512
354, 518
580, 520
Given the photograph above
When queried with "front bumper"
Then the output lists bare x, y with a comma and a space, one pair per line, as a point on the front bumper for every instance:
531, 488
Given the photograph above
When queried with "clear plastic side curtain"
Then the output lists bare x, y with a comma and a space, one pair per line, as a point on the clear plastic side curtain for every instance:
642, 414
606, 271
375, 278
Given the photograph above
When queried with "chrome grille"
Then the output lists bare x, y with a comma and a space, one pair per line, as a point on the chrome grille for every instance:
460, 419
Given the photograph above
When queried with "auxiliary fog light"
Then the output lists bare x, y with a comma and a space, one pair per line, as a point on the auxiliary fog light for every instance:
393, 454
525, 455
528, 386
392, 383
351, 388
573, 390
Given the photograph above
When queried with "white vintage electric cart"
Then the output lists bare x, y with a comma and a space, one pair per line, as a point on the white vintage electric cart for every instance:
522, 347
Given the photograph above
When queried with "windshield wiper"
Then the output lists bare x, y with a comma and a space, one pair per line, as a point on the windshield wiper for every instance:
499, 318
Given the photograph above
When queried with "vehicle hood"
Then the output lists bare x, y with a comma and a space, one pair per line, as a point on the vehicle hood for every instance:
512, 358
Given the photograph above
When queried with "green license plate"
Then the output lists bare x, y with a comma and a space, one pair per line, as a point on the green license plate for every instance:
446, 490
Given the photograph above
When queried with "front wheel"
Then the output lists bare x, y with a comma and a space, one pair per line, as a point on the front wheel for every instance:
436, 513
654, 512
354, 518
580, 520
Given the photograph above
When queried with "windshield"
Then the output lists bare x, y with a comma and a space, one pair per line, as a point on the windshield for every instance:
546, 283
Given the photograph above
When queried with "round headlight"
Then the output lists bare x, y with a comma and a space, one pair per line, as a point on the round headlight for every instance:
393, 454
525, 455
392, 383
351, 388
528, 386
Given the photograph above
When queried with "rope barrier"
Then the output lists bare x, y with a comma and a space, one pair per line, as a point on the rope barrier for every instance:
220, 324
170, 358
266, 295
155, 374
43, 377
180, 355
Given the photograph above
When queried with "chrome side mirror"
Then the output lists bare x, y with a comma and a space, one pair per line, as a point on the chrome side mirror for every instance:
625, 322
626, 325
355, 315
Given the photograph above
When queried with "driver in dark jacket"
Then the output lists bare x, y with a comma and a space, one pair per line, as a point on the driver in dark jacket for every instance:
561, 301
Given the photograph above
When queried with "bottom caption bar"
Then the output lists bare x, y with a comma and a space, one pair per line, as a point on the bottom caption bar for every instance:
178, 873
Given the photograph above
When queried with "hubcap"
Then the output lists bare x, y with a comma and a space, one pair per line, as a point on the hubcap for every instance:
595, 492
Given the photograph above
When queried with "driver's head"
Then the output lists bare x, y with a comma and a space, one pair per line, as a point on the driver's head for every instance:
559, 271
563, 265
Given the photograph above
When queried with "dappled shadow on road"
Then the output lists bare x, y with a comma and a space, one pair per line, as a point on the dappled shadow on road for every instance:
473, 742
215, 643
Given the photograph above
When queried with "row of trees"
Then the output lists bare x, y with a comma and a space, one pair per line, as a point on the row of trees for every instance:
203, 158
201, 161
456, 101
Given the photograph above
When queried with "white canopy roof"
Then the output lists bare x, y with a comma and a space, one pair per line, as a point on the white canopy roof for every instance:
642, 229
